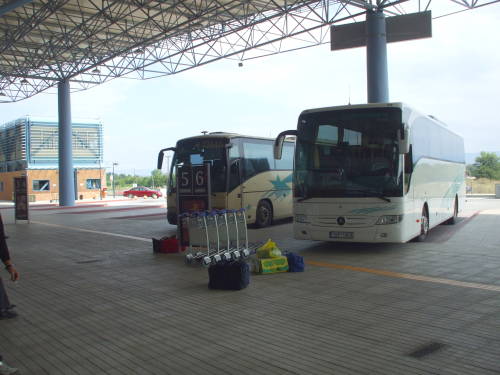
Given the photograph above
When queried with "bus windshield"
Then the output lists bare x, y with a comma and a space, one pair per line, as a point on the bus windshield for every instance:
348, 153
200, 151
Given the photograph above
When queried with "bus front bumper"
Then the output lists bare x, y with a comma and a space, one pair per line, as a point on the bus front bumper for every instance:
378, 233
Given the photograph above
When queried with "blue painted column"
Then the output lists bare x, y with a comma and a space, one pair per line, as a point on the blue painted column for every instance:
66, 174
376, 57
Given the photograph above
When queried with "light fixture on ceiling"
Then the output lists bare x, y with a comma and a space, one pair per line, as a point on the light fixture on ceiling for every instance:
95, 71
2, 93
24, 81
139, 50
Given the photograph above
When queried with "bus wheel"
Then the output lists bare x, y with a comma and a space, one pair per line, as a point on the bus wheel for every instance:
154, 196
453, 220
424, 226
264, 214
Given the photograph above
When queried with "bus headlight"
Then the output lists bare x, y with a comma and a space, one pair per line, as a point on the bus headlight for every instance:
389, 219
301, 219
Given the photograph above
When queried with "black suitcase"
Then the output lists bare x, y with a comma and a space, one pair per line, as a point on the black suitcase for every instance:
229, 276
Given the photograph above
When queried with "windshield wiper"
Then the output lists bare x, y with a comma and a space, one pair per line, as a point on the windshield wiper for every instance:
302, 199
369, 192
383, 197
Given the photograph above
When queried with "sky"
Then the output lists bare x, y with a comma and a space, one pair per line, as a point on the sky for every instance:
455, 76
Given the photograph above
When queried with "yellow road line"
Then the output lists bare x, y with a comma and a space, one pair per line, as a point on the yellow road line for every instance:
95, 231
409, 276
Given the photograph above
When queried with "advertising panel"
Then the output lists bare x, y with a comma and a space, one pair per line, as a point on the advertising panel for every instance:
21, 198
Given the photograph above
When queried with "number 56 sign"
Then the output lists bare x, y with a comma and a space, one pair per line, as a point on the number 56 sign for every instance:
193, 180
193, 194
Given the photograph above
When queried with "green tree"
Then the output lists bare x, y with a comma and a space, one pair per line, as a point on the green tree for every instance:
158, 179
123, 181
487, 165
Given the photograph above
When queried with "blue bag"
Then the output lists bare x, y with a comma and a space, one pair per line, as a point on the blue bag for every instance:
295, 262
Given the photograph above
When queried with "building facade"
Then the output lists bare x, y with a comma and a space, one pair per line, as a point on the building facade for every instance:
30, 146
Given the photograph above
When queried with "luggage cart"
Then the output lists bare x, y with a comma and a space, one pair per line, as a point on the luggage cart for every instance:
217, 236
199, 249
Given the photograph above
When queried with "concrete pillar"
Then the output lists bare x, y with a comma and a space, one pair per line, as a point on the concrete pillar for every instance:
376, 57
66, 174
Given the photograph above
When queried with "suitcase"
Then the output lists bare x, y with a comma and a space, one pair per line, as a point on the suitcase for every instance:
165, 245
295, 262
229, 276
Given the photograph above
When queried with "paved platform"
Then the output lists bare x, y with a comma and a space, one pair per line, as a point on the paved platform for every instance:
94, 299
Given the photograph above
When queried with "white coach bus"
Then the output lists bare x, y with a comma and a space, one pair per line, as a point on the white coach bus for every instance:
374, 173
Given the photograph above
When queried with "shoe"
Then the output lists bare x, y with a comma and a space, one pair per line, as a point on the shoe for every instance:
7, 314
7, 370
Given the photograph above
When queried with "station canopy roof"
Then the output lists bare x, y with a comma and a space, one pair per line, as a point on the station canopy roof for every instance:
92, 41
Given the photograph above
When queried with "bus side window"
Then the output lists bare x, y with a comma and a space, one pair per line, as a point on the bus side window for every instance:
258, 158
408, 161
286, 161
234, 175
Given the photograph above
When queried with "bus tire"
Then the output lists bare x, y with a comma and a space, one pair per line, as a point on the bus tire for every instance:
154, 196
424, 225
453, 220
264, 214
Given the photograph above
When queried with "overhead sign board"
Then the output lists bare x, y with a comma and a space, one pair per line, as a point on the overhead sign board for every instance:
398, 29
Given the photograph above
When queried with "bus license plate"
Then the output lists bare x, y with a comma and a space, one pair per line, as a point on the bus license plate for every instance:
342, 235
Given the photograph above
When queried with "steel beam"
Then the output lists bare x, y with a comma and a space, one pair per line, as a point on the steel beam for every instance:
376, 57
66, 175
13, 5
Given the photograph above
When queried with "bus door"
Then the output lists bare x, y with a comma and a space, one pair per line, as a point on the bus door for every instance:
235, 187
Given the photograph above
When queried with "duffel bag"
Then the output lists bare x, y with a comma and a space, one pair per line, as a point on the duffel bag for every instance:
295, 262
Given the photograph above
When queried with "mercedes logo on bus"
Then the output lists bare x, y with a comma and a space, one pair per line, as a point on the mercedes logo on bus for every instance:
341, 220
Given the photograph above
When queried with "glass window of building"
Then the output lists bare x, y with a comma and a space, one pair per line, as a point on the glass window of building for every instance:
41, 185
93, 183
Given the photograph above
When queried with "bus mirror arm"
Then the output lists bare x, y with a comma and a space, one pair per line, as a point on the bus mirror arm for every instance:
161, 155
278, 143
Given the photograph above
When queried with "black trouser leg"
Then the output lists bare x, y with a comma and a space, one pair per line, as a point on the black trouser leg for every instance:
4, 300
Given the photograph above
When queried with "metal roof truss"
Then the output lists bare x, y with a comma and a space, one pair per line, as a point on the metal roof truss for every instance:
93, 41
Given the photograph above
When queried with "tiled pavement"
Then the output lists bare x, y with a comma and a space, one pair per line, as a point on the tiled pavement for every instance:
94, 299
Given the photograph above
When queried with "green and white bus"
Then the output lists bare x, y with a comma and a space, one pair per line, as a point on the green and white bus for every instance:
374, 173
244, 174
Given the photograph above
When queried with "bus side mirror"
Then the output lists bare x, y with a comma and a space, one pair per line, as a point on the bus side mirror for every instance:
278, 143
404, 140
161, 155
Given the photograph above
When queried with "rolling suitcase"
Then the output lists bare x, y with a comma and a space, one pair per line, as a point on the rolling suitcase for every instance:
229, 275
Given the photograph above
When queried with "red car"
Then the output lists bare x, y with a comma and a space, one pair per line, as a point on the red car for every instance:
142, 191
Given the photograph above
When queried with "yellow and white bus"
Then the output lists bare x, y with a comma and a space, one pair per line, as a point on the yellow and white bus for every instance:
244, 174
374, 173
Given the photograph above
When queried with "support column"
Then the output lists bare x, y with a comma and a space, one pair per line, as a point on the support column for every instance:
376, 57
66, 175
